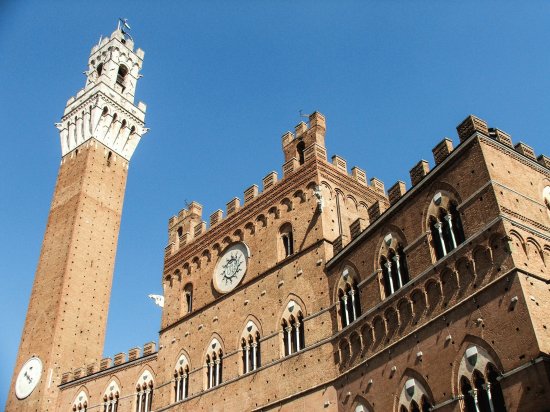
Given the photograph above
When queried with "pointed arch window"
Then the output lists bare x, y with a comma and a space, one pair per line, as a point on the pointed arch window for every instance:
395, 271
181, 379
349, 299
214, 365
111, 397
80, 404
414, 397
484, 393
144, 395
287, 240
250, 345
293, 329
446, 230
99, 69
121, 75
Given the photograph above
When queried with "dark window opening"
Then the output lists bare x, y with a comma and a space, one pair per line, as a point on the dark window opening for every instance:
300, 148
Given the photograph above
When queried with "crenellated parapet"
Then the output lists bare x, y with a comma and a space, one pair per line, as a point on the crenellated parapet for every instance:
305, 148
107, 364
471, 126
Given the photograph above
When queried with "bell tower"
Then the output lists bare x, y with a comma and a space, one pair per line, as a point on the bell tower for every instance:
67, 314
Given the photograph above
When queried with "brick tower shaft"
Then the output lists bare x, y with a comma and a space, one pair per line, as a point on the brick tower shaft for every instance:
67, 315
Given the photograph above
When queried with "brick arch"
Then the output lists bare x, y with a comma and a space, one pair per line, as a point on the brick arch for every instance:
325, 184
145, 369
405, 311
353, 276
182, 353
498, 249
398, 238
113, 386
483, 263
434, 295
258, 326
287, 203
422, 388
283, 309
486, 351
449, 193
534, 250
518, 241
249, 228
466, 277
81, 399
449, 284
359, 402
300, 195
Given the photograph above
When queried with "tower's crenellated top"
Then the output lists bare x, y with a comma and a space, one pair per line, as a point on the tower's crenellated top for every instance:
104, 109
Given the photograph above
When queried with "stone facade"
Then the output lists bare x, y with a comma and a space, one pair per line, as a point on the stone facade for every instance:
432, 298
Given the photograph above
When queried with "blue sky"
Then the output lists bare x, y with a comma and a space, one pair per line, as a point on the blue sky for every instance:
223, 81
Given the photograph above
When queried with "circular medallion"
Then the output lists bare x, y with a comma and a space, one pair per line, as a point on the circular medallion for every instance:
28, 377
231, 267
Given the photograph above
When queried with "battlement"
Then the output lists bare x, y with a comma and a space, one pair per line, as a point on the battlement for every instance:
468, 127
188, 225
134, 354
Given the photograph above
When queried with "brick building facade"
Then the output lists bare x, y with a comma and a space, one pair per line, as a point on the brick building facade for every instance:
319, 292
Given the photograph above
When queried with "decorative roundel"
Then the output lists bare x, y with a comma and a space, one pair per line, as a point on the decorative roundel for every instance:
546, 197
231, 267
28, 377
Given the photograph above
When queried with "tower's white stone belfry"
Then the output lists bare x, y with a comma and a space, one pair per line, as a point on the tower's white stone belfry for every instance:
104, 109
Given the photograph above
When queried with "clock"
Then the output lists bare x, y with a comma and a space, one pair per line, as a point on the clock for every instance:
28, 377
231, 267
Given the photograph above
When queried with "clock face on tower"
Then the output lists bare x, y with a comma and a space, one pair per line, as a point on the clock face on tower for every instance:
28, 377
231, 267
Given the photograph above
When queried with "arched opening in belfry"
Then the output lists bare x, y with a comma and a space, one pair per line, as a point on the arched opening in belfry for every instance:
121, 75
99, 69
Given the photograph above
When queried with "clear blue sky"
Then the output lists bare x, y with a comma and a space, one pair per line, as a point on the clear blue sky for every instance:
223, 81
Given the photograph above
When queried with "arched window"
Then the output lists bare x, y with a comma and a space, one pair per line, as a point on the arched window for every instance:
181, 379
445, 226
300, 148
414, 397
349, 299
144, 389
121, 75
293, 329
481, 392
80, 404
250, 345
287, 241
110, 398
214, 365
395, 270
493, 386
188, 295
468, 394
99, 69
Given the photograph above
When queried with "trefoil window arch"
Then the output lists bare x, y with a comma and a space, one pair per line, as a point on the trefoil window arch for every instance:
181, 379
348, 298
250, 345
393, 264
144, 395
293, 329
214, 365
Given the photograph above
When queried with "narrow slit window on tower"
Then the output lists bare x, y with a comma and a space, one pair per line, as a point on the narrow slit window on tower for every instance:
300, 148
99, 69
188, 293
